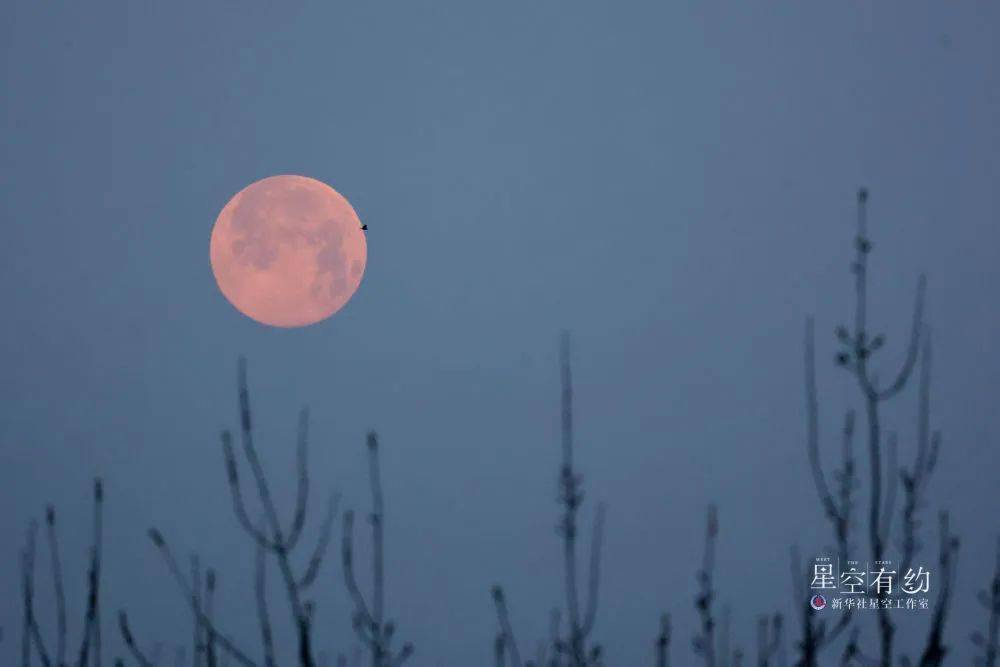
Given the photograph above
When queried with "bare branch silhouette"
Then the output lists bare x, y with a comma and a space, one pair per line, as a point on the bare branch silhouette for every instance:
369, 621
27, 558
914, 480
990, 642
28, 593
319, 553
576, 649
271, 536
704, 642
263, 615
270, 539
506, 638
935, 650
57, 582
211, 653
500, 651
130, 643
663, 642
302, 489
198, 643
769, 639
32, 640
859, 348
836, 507
186, 590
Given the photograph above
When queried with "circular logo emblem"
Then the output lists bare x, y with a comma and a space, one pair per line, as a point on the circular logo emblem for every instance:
817, 602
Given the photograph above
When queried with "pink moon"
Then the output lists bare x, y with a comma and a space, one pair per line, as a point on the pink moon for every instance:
288, 251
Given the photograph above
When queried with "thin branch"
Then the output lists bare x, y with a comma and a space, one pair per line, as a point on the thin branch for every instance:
935, 650
812, 422
663, 642
198, 644
129, 640
704, 642
990, 643
211, 656
555, 619
912, 347
813, 634
768, 638
369, 620
27, 620
263, 617
28, 591
57, 580
93, 598
924, 462
836, 515
347, 562
861, 347
246, 432
301, 610
377, 515
171, 562
500, 602
595, 569
574, 650
915, 479
239, 507
570, 495
892, 446
302, 488
316, 560
92, 619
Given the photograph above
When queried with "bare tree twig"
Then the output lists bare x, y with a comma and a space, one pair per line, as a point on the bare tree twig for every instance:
130, 642
263, 617
935, 650
160, 543
704, 641
507, 632
239, 507
271, 537
369, 620
211, 656
595, 570
768, 639
837, 509
576, 650
663, 642
347, 558
92, 621
302, 488
859, 346
990, 643
28, 592
57, 580
32, 637
198, 644
316, 560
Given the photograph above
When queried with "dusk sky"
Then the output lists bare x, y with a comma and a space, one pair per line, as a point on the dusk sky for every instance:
674, 183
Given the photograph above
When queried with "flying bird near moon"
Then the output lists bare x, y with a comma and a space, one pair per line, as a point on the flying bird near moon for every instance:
288, 251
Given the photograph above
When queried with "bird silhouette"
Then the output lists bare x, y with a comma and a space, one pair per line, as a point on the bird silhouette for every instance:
364, 228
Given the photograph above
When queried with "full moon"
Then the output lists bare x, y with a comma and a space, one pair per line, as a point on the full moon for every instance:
288, 251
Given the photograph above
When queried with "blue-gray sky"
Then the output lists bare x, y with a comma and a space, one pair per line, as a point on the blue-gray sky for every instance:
673, 182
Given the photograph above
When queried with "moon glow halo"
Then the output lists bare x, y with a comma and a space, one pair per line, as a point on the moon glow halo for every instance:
288, 251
